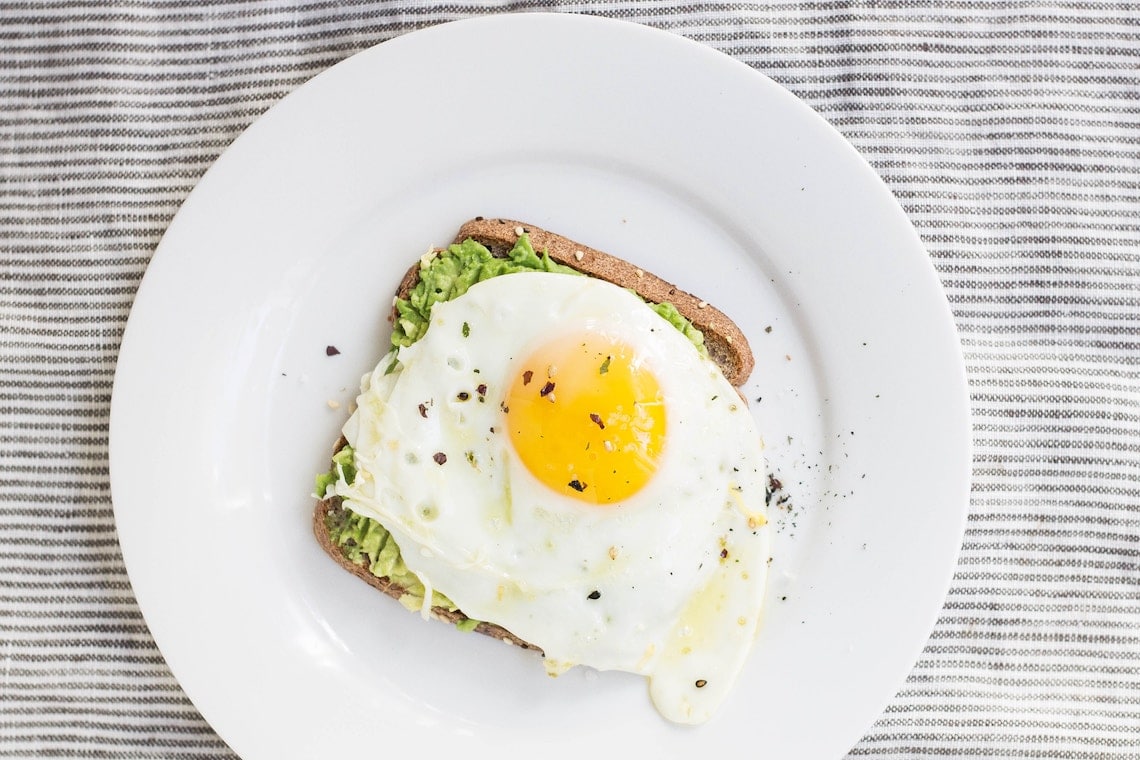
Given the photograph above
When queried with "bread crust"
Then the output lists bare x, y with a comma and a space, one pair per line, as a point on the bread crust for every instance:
726, 345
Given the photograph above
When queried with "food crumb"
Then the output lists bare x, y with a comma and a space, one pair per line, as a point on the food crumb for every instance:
333, 403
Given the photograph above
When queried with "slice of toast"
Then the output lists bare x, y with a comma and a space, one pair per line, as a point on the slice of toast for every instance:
726, 345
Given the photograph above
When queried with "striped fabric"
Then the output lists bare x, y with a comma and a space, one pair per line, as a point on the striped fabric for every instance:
1010, 132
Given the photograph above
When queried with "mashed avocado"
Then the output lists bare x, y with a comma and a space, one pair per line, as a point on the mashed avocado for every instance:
450, 273
366, 542
444, 276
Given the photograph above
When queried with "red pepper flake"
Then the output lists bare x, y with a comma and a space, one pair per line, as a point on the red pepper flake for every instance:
423, 410
724, 553
597, 420
547, 389
577, 485
439, 457
527, 376
331, 350
481, 389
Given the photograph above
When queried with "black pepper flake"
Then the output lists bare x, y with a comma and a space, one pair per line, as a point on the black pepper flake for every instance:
527, 376
577, 485
547, 389
423, 410
700, 683
331, 350
463, 395
597, 420
595, 594
439, 457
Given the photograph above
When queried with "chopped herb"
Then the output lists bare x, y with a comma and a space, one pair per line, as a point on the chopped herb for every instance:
466, 329
605, 366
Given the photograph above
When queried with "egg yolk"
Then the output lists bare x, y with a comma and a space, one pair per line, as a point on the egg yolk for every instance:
587, 418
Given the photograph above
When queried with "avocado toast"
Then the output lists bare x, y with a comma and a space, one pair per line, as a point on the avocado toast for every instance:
483, 248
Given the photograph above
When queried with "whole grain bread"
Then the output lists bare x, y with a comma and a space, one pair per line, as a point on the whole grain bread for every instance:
726, 345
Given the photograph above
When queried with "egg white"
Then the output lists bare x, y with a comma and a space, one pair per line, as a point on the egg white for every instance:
668, 584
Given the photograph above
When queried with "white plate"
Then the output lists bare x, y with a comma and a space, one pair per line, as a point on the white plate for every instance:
626, 138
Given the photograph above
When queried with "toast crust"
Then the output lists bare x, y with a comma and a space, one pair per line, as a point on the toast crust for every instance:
725, 342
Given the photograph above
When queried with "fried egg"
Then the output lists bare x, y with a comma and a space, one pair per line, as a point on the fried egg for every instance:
561, 461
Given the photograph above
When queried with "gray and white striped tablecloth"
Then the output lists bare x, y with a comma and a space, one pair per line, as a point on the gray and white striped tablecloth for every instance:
1010, 131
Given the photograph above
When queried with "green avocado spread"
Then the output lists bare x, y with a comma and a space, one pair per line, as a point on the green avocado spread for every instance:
443, 276
449, 274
